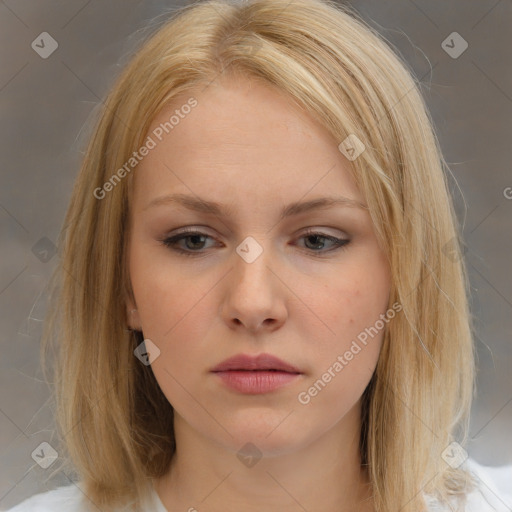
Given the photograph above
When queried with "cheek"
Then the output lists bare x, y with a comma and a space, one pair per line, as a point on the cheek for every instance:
348, 323
175, 313
163, 296
351, 300
345, 356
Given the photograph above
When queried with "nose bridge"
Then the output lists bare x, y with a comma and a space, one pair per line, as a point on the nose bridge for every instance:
251, 299
252, 261
250, 249
252, 289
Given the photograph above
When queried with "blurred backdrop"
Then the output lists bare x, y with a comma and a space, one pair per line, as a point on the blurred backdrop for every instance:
58, 60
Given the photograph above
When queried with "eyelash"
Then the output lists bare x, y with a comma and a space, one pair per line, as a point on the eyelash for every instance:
171, 242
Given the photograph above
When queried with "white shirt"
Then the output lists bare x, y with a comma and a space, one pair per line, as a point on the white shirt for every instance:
494, 494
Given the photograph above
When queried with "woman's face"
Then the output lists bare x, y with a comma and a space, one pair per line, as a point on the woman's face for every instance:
249, 280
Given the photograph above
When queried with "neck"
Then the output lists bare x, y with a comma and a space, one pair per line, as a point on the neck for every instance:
325, 475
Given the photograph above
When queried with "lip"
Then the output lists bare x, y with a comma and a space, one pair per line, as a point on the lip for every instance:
255, 374
259, 362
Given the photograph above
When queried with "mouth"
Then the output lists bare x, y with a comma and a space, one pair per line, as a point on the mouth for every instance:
262, 362
255, 375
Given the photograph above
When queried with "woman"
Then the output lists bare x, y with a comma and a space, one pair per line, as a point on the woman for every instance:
314, 351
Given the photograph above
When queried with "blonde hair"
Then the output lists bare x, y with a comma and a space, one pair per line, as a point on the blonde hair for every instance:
115, 424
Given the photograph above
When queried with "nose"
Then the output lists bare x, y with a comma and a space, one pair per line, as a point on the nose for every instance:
254, 296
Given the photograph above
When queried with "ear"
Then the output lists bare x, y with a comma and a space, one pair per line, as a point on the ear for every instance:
132, 315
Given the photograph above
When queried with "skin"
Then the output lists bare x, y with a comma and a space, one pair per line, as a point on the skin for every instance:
246, 146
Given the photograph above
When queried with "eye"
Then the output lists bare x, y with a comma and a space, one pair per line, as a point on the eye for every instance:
191, 249
197, 241
319, 238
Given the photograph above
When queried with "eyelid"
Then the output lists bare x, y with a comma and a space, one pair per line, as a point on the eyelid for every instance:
302, 232
321, 231
340, 242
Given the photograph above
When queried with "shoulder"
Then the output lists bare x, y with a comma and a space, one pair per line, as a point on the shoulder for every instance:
68, 498
494, 487
492, 492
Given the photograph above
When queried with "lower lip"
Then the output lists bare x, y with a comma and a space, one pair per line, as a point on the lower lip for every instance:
256, 382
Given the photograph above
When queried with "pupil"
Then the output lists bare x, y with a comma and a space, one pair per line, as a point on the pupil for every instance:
194, 238
315, 238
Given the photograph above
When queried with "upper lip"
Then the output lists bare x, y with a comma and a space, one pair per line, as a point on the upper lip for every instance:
260, 362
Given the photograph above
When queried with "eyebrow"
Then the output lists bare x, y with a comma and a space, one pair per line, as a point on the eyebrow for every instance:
214, 208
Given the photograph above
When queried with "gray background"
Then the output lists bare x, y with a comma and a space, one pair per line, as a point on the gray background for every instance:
45, 105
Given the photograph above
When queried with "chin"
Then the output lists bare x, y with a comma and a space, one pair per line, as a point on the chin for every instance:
265, 440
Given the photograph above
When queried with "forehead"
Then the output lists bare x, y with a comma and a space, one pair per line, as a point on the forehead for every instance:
241, 138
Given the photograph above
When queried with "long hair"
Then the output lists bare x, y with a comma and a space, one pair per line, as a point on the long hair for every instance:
115, 424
